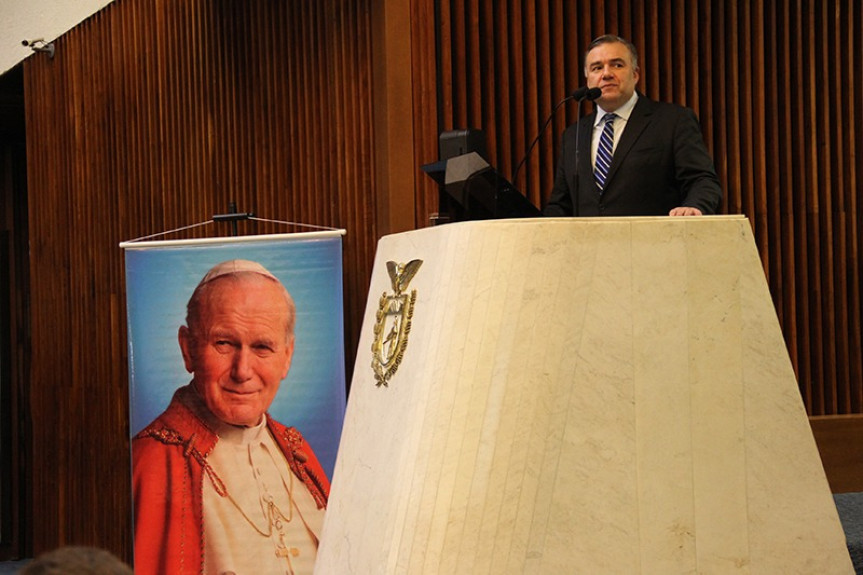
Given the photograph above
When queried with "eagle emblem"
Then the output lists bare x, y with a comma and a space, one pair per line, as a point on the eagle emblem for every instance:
393, 321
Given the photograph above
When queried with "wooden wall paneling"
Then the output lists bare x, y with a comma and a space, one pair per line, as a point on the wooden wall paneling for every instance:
568, 78
486, 24
770, 145
853, 43
258, 101
620, 14
840, 443
823, 186
635, 33
396, 167
822, 403
796, 169
291, 95
854, 211
778, 184
584, 34
849, 268
569, 69
835, 212
501, 119
362, 167
531, 107
598, 24
650, 52
752, 114
549, 92
686, 89
532, 66
41, 402
551, 33
838, 209
463, 66
324, 159
670, 59
426, 63
703, 74
720, 110
356, 204
153, 116
448, 42
475, 94
737, 157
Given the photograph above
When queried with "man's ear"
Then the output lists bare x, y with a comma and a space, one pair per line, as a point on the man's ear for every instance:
289, 354
187, 345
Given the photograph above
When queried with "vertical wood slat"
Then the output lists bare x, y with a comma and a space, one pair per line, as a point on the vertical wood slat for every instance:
854, 235
427, 103
813, 220
503, 128
767, 82
155, 115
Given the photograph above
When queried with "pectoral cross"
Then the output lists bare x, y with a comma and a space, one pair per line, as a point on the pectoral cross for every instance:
287, 551
283, 550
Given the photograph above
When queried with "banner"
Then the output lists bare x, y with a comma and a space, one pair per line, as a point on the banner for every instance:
160, 278
215, 492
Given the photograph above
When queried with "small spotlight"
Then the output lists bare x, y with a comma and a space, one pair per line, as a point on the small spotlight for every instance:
40, 45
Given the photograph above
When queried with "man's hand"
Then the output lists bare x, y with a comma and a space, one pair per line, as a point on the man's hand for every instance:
685, 212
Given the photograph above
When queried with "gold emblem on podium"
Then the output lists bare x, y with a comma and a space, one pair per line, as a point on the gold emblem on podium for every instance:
393, 321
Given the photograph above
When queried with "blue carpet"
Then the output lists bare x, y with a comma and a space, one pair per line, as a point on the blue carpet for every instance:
850, 507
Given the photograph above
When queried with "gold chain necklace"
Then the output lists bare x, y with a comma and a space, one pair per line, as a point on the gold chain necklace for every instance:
274, 515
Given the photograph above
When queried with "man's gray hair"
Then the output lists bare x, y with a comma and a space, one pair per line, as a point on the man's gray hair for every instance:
612, 39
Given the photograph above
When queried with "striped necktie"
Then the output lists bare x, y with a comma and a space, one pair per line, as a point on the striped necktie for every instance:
604, 151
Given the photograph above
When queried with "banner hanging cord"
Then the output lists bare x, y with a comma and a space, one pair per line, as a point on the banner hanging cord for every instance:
142, 238
250, 217
312, 226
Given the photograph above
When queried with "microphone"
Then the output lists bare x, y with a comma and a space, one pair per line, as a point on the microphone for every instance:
583, 93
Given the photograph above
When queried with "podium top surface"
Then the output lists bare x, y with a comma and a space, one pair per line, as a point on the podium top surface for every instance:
581, 221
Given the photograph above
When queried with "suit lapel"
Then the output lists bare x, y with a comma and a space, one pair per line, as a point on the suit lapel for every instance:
585, 136
638, 121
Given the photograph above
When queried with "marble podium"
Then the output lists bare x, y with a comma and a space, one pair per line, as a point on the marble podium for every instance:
576, 396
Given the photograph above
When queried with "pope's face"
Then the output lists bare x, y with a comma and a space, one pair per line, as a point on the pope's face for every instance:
240, 351
609, 67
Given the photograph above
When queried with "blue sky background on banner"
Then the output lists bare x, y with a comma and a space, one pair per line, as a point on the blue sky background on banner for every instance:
159, 282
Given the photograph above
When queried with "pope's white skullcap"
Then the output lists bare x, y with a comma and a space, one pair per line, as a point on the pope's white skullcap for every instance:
236, 266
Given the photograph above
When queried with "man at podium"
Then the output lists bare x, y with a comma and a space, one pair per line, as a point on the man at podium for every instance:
632, 156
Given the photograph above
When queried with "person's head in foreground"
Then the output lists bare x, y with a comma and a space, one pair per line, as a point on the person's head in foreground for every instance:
74, 560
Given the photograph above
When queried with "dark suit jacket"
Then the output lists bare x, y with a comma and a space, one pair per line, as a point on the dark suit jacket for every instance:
660, 163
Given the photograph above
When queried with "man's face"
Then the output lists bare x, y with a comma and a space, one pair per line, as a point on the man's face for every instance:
609, 67
240, 352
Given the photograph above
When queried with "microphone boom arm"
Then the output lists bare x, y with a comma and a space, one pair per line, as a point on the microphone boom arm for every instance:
583, 93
